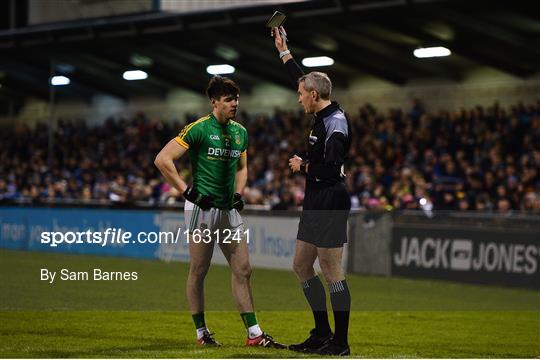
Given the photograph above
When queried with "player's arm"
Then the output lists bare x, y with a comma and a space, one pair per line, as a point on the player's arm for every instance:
293, 69
241, 173
165, 163
241, 180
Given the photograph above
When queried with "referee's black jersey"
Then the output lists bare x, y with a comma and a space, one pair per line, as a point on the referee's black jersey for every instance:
329, 140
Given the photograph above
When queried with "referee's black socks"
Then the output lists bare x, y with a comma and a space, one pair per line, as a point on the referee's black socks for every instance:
316, 296
340, 297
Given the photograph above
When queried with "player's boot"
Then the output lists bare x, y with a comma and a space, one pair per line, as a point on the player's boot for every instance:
333, 349
207, 340
266, 341
313, 343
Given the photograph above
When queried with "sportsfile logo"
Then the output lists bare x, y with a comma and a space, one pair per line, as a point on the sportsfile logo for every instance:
466, 255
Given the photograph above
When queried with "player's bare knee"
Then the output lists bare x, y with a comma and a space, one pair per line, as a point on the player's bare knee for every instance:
198, 271
242, 272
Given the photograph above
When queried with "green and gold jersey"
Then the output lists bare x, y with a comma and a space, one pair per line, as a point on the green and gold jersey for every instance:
214, 152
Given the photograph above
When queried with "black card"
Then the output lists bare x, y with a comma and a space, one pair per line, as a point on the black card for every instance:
276, 20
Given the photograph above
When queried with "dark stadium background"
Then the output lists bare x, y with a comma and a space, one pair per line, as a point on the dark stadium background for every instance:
444, 170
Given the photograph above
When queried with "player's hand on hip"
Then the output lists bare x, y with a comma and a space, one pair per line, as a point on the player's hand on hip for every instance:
205, 202
281, 44
238, 202
294, 163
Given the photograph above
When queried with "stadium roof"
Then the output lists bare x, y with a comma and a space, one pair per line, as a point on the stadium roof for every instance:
374, 37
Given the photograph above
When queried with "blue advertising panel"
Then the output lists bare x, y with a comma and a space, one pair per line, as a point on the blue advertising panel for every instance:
131, 233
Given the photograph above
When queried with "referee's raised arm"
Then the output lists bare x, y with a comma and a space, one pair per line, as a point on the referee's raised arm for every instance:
294, 70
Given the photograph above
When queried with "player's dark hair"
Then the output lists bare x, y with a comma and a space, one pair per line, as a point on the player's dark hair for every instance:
221, 86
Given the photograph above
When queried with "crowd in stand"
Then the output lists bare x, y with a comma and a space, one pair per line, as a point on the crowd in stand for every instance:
484, 158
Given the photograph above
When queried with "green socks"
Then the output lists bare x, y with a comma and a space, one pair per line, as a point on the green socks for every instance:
250, 319
251, 324
198, 319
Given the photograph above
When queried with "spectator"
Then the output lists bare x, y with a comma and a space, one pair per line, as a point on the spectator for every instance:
479, 159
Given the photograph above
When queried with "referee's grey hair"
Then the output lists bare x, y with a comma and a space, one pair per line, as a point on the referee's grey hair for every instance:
318, 81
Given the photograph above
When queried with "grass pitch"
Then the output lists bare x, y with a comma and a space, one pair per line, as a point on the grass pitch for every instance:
390, 317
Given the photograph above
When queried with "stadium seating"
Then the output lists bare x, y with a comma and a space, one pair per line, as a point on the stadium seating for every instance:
484, 158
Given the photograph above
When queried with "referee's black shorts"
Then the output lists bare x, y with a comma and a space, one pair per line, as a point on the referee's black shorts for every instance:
323, 222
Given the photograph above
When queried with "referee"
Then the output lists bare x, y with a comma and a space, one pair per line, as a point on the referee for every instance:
323, 224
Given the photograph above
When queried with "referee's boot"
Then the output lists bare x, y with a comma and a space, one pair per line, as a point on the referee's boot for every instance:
207, 340
334, 349
313, 343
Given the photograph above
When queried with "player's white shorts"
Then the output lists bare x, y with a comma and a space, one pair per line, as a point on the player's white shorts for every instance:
213, 219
